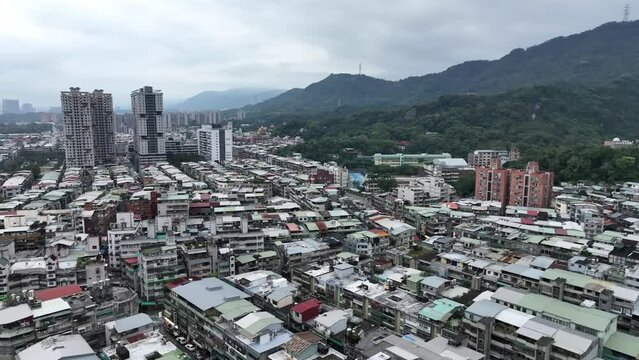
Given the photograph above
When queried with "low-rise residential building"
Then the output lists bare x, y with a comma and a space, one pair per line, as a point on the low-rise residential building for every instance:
579, 289
217, 318
407, 159
499, 331
367, 242
297, 253
14, 186
332, 322
383, 344
592, 321
157, 266
265, 260
449, 169
50, 312
196, 257
128, 327
270, 289
59, 347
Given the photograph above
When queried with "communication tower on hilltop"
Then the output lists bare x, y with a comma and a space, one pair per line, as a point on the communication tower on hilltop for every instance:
626, 13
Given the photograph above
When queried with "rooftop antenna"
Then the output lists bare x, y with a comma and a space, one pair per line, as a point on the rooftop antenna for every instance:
626, 13
360, 64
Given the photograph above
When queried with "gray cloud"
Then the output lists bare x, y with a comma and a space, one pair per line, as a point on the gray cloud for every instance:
184, 47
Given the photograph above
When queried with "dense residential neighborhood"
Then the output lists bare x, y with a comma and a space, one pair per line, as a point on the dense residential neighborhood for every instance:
263, 256
485, 210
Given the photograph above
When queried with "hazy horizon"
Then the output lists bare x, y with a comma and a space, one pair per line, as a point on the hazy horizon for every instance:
187, 47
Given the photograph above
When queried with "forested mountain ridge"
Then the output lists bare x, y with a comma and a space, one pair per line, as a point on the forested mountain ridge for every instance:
590, 58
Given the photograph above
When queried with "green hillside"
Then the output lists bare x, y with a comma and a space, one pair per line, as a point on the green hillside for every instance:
591, 58
536, 119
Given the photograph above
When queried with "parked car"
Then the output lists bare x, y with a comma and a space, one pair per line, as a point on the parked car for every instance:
181, 340
189, 347
199, 355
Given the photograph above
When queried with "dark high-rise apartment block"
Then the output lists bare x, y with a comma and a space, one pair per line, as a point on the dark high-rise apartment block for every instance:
10, 106
88, 127
148, 127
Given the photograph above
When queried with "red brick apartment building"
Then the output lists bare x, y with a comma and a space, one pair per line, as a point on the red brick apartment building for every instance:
492, 183
529, 187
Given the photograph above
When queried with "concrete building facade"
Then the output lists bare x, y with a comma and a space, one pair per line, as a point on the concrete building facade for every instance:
485, 158
215, 144
88, 127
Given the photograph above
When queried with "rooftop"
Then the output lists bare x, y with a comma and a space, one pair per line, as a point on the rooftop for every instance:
58, 292
59, 347
624, 344
440, 309
151, 342
597, 285
586, 317
329, 318
14, 313
49, 307
132, 322
208, 293
236, 309
254, 323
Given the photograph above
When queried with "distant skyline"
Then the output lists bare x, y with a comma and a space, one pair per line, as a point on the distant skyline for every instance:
185, 47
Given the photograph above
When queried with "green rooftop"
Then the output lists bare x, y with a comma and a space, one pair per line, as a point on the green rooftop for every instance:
609, 236
174, 355
243, 259
534, 239
232, 310
50, 176
586, 317
623, 343
440, 309
577, 279
258, 322
174, 197
265, 254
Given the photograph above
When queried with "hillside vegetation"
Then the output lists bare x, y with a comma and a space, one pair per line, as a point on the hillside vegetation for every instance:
535, 119
591, 58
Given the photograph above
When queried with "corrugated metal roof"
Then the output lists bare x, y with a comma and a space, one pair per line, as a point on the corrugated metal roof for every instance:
132, 322
208, 293
58, 292
485, 308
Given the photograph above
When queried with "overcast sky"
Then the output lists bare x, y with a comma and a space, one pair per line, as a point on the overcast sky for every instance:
183, 47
